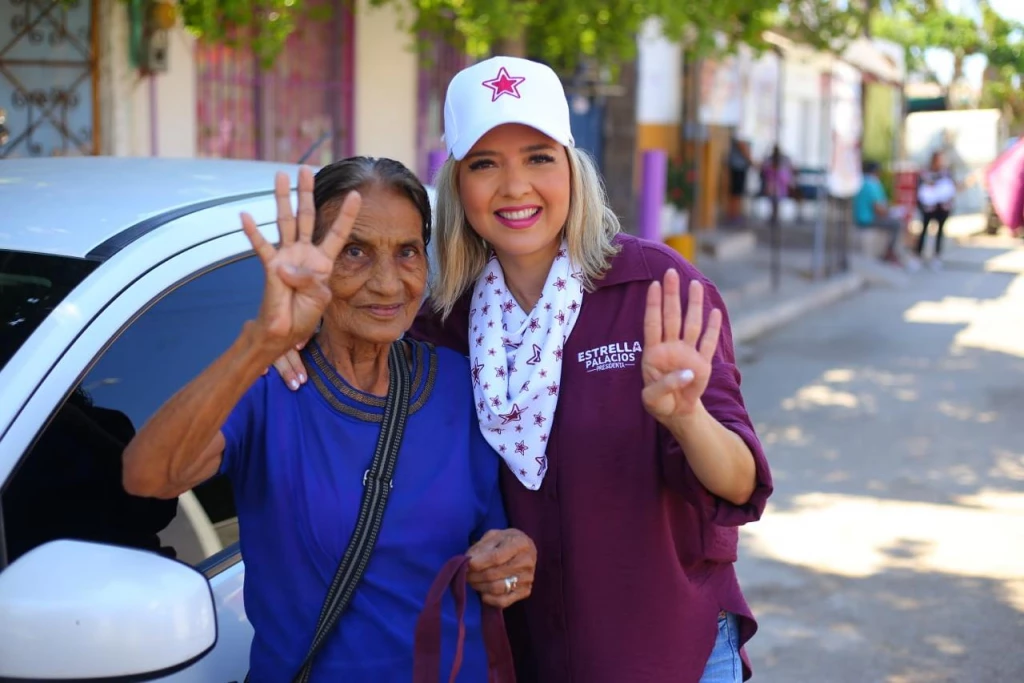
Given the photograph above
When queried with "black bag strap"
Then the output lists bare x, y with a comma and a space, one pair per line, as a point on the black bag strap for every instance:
377, 483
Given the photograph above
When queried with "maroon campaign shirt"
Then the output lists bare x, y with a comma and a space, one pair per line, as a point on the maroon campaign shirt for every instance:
634, 556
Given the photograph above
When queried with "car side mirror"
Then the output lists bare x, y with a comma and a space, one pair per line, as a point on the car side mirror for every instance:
78, 610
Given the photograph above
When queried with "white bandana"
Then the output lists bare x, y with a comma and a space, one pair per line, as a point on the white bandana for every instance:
517, 363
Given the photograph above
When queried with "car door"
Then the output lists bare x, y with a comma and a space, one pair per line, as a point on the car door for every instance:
147, 343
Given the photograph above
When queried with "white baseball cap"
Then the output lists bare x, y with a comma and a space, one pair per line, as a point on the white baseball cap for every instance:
503, 90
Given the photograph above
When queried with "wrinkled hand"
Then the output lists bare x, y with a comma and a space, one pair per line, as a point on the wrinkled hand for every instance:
676, 369
500, 555
297, 272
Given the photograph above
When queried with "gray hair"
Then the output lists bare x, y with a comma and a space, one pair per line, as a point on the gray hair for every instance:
334, 181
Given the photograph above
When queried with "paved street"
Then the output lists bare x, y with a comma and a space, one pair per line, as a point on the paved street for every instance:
893, 550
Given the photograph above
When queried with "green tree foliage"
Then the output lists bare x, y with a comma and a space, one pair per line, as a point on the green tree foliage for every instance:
1001, 85
563, 31
262, 25
924, 25
824, 24
978, 31
559, 31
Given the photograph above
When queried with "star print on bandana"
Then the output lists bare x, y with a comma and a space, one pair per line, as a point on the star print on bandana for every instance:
503, 84
514, 420
536, 357
514, 415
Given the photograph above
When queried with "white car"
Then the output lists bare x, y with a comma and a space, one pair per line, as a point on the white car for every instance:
120, 280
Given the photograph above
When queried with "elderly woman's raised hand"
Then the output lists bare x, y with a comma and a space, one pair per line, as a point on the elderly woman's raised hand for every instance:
296, 291
501, 567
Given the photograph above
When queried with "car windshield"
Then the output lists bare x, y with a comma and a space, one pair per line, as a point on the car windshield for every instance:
31, 286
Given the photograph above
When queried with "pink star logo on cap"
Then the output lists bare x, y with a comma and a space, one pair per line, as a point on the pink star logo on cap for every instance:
503, 84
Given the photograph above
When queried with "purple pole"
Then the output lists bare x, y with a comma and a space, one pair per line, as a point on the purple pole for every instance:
653, 179
435, 159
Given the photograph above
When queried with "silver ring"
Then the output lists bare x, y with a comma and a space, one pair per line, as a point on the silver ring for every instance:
510, 583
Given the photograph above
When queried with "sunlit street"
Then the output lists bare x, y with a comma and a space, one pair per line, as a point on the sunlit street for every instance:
893, 549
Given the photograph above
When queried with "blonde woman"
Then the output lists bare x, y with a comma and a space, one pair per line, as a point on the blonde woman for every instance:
603, 374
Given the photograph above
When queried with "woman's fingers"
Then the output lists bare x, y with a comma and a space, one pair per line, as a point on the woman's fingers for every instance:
264, 249
497, 549
516, 566
505, 585
694, 314
291, 369
499, 583
285, 215
497, 594
672, 306
655, 395
709, 344
663, 314
307, 212
652, 316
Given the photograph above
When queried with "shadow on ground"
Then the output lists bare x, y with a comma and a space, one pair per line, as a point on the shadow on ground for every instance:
925, 637
893, 548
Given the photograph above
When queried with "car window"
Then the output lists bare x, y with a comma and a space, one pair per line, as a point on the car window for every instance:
31, 287
69, 485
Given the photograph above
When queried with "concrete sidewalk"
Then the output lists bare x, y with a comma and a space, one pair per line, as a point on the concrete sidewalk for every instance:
756, 308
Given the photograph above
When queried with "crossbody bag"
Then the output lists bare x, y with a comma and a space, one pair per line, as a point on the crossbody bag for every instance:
377, 483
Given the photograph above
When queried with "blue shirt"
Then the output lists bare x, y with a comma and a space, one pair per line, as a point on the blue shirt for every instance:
296, 461
871, 192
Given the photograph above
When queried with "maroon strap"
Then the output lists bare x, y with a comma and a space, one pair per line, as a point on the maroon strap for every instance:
427, 646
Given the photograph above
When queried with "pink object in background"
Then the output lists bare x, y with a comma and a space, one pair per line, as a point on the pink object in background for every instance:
778, 181
1005, 178
905, 178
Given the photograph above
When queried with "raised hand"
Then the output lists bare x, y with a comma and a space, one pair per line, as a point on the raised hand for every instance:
676, 361
297, 272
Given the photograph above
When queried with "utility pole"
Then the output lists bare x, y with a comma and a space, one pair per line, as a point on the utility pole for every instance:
775, 228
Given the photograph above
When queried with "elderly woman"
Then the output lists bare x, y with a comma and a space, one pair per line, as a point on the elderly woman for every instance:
382, 421
604, 376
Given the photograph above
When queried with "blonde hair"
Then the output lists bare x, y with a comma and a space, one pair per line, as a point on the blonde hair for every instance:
590, 230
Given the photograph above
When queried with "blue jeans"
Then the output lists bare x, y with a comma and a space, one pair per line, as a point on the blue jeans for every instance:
724, 664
